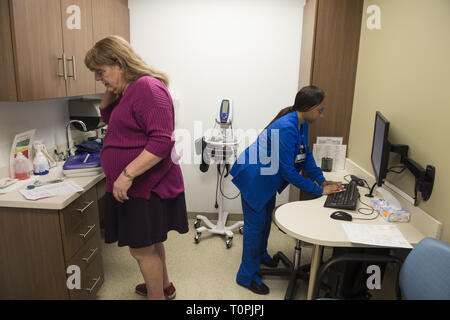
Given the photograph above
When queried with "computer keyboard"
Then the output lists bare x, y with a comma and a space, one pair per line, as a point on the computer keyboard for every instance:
344, 200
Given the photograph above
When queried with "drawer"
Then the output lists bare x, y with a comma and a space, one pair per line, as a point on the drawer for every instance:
75, 213
91, 280
87, 253
75, 239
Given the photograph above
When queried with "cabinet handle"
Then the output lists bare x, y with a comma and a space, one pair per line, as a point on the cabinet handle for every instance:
94, 285
64, 60
84, 235
93, 251
74, 73
87, 206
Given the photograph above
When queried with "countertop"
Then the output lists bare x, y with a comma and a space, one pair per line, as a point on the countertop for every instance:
15, 199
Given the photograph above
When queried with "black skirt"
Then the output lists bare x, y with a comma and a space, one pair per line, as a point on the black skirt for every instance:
140, 223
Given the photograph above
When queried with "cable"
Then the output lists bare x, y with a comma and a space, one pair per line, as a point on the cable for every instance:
220, 184
363, 180
403, 168
372, 210
217, 187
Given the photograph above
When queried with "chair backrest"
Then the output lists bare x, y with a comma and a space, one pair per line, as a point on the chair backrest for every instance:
425, 274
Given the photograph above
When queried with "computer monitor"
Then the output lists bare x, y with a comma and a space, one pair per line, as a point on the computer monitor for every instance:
380, 148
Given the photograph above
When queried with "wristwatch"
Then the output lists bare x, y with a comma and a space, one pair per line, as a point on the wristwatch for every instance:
125, 173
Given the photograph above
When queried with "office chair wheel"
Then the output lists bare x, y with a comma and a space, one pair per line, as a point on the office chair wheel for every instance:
197, 237
229, 242
197, 223
241, 230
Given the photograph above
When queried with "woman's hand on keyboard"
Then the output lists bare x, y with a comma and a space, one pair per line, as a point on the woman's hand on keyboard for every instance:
332, 188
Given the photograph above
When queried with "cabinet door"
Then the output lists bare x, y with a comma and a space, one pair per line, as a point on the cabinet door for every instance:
78, 39
111, 17
38, 43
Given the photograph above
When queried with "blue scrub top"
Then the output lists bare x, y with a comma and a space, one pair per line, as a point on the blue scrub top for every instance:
266, 166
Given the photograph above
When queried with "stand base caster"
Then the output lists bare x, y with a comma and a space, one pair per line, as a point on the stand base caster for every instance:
197, 237
228, 242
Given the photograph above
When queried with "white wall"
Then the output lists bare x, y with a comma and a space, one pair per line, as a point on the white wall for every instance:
248, 51
48, 117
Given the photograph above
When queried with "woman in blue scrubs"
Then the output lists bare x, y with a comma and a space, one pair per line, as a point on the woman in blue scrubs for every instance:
268, 165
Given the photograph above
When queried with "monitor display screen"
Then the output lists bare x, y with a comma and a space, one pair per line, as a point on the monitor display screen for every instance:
225, 106
380, 148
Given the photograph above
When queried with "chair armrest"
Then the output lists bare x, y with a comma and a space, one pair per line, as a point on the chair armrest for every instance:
355, 257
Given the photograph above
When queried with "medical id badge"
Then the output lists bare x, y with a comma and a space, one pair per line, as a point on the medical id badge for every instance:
301, 156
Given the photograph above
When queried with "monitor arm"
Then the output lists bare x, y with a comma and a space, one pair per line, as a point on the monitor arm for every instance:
424, 177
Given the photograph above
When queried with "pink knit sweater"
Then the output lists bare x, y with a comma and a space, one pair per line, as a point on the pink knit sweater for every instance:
143, 118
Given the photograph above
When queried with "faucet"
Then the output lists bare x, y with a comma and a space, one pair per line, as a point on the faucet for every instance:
67, 133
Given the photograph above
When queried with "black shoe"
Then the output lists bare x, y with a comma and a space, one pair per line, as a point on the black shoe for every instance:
272, 263
257, 288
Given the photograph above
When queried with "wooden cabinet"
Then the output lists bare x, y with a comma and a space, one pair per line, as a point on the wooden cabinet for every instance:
37, 246
43, 44
329, 58
112, 17
37, 45
80, 80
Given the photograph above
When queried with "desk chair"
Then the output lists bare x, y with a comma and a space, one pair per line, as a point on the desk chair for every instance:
424, 275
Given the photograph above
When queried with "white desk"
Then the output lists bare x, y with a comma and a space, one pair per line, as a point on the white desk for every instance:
310, 221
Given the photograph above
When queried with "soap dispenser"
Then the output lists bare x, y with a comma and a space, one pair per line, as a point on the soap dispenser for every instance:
40, 162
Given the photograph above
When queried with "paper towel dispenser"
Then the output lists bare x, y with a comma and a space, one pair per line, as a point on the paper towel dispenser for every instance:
88, 111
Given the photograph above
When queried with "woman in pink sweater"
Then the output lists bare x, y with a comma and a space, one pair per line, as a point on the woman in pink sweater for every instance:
144, 187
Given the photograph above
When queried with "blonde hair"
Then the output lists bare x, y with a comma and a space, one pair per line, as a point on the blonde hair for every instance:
116, 50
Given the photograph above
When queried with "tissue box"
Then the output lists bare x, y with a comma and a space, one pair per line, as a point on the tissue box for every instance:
388, 213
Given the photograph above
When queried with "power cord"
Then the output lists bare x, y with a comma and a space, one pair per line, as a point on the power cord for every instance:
360, 182
372, 210
220, 184
403, 168
217, 187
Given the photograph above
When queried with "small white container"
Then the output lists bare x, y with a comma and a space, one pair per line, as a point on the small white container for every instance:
40, 162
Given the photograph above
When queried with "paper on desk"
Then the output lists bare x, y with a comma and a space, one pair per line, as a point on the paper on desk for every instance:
336, 152
51, 190
377, 235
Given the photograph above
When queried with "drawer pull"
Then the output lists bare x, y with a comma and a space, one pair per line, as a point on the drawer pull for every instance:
64, 61
87, 206
93, 286
74, 74
93, 251
84, 235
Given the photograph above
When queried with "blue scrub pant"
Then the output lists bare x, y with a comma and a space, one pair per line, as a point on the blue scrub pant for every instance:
256, 233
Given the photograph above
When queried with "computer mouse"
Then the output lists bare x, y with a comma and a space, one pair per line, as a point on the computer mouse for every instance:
341, 215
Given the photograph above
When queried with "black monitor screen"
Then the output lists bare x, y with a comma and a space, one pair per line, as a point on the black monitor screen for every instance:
380, 148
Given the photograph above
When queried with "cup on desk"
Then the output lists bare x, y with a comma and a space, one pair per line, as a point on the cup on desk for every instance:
327, 164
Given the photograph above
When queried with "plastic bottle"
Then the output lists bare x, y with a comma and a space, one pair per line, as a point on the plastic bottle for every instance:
21, 167
40, 162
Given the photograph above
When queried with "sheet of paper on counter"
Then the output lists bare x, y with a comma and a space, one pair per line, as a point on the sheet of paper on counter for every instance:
376, 235
51, 190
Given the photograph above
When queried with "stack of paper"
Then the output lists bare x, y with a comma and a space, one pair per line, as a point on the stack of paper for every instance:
376, 235
51, 190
